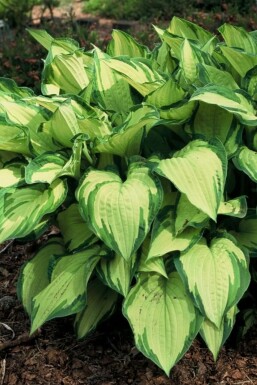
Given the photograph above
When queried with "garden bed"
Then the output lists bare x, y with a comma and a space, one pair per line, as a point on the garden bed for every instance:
108, 356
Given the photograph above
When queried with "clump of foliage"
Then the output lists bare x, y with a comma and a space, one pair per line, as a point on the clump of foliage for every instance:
146, 163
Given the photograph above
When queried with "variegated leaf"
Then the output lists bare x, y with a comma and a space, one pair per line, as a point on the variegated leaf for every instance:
166, 95
9, 87
154, 265
55, 46
12, 174
74, 229
21, 209
117, 273
187, 215
64, 124
126, 139
189, 61
216, 337
124, 44
235, 207
49, 166
232, 101
46, 168
211, 121
111, 91
42, 37
68, 73
165, 241
202, 181
14, 138
238, 37
211, 75
163, 318
120, 213
246, 161
216, 276
34, 275
66, 292
240, 60
189, 30
137, 72
27, 121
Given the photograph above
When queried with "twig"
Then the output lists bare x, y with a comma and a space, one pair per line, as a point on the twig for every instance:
6, 246
8, 328
3, 365
22, 339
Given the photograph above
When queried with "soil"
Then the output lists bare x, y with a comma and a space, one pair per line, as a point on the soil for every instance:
108, 357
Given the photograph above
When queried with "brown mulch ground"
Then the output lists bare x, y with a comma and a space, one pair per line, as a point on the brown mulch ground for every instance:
107, 357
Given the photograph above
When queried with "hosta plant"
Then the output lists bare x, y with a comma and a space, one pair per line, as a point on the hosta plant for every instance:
145, 162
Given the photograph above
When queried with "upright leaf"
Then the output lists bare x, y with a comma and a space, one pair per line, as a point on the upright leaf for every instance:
189, 30
124, 44
211, 121
67, 73
238, 37
111, 91
42, 37
199, 171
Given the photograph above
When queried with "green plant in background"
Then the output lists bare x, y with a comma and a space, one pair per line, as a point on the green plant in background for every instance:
136, 156
18, 12
140, 9
137, 9
240, 5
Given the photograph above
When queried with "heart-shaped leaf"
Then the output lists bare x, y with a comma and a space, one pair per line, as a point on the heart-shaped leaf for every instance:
216, 276
120, 213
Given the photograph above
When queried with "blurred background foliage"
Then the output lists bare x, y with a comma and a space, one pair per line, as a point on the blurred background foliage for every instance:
141, 9
18, 12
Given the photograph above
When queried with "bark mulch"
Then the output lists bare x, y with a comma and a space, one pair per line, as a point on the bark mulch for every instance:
54, 357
